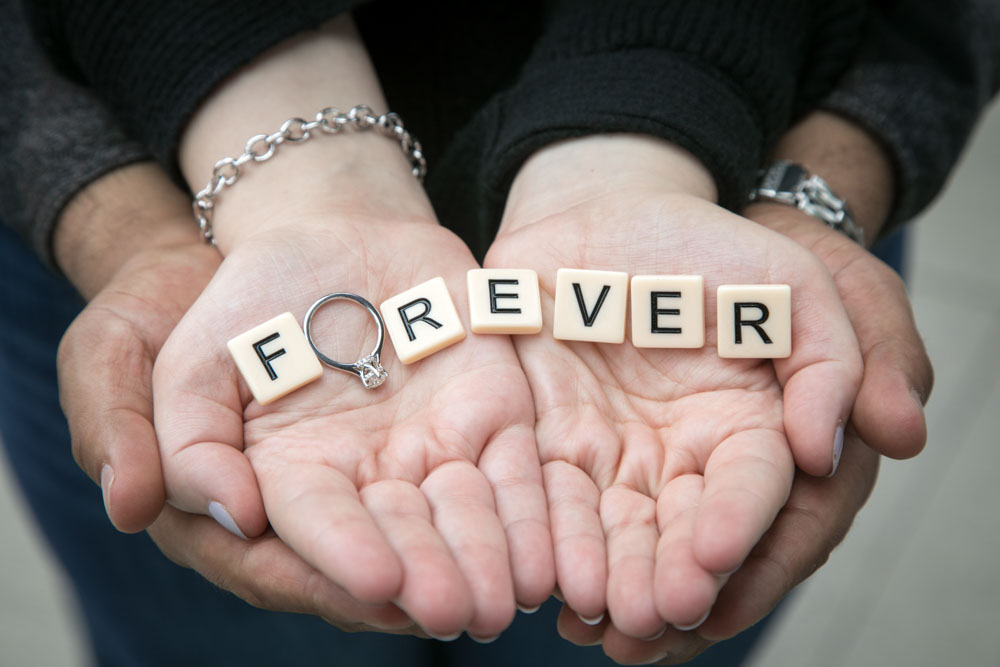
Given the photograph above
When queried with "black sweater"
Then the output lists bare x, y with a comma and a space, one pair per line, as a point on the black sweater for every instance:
484, 87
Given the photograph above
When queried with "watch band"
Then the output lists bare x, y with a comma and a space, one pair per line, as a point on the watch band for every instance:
790, 183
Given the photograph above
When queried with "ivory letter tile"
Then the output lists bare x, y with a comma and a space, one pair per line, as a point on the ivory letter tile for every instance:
504, 301
275, 358
755, 321
422, 320
668, 311
590, 305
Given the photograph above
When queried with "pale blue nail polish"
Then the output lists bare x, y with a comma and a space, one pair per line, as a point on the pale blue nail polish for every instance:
838, 447
224, 519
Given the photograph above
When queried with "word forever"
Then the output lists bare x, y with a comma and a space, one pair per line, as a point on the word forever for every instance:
753, 321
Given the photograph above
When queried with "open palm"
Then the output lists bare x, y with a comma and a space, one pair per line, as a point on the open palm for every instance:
663, 468
426, 491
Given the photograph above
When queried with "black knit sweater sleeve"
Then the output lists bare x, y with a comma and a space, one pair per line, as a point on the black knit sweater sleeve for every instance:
154, 62
721, 79
55, 136
925, 72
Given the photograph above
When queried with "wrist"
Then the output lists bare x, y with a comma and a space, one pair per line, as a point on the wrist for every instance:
850, 160
570, 172
350, 171
127, 212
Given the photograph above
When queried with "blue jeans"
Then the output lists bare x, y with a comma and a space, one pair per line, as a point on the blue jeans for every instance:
141, 609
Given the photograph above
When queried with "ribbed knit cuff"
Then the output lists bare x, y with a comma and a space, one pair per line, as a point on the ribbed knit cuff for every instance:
922, 123
645, 91
155, 62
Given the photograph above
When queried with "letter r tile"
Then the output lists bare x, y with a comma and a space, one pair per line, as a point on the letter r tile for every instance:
275, 358
668, 311
590, 305
755, 321
504, 301
422, 320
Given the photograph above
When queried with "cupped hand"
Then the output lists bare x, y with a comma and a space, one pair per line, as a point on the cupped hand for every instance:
425, 491
139, 287
888, 413
663, 468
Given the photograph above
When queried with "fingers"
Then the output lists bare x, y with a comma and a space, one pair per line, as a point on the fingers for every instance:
267, 574
629, 520
316, 510
822, 377
577, 539
510, 463
465, 516
200, 427
673, 647
888, 413
817, 516
747, 481
105, 392
685, 591
434, 593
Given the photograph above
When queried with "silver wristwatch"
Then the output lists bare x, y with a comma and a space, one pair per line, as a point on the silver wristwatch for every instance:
791, 184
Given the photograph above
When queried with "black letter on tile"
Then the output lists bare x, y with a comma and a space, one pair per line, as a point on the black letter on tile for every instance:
739, 321
494, 308
266, 359
422, 317
588, 320
655, 311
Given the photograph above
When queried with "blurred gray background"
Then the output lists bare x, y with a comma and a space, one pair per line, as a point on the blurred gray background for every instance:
916, 582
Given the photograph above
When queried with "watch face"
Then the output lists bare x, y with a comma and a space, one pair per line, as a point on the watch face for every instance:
792, 178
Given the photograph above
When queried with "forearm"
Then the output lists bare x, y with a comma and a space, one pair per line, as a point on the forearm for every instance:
365, 173
849, 159
115, 218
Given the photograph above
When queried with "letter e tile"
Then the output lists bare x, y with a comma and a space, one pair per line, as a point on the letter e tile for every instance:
668, 311
275, 358
504, 301
590, 305
755, 321
422, 320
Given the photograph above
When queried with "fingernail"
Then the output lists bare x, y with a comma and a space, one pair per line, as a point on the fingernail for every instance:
659, 634
224, 519
686, 628
444, 638
484, 640
917, 397
107, 479
592, 621
838, 447
529, 610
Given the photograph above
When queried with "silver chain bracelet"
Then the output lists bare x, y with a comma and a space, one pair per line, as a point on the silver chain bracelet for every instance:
262, 147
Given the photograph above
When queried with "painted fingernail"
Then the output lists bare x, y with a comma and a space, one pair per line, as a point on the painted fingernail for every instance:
484, 640
592, 621
224, 519
444, 638
838, 447
659, 634
697, 624
529, 610
107, 479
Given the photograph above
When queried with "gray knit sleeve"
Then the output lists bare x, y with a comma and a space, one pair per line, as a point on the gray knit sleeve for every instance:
55, 136
926, 71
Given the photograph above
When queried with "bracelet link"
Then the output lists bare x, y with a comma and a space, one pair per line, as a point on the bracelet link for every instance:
262, 147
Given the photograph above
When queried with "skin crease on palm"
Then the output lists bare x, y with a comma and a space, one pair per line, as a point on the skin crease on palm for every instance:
676, 460
426, 491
